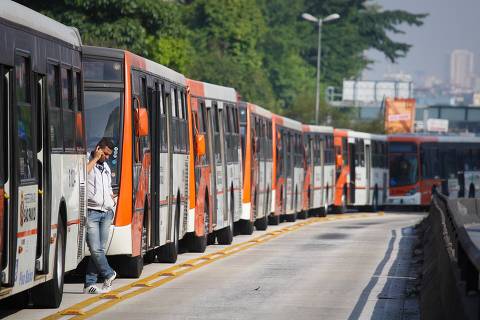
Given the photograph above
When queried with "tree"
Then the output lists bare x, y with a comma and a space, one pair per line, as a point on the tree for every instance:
150, 28
262, 48
225, 36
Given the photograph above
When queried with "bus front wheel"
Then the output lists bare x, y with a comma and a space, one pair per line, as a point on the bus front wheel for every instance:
49, 294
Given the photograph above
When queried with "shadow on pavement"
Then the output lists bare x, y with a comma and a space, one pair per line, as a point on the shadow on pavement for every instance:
391, 299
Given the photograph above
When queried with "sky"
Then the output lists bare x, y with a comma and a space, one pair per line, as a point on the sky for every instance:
451, 24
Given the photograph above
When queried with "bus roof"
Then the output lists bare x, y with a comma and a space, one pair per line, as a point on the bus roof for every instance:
287, 122
314, 128
31, 19
420, 138
357, 134
260, 111
378, 137
136, 61
212, 91
157, 69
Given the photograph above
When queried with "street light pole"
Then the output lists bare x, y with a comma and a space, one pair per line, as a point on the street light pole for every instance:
319, 57
320, 22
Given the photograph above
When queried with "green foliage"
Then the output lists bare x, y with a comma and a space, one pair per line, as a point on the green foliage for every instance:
263, 48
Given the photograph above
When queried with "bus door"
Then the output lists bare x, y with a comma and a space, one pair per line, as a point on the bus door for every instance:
368, 166
44, 195
222, 167
23, 206
213, 132
323, 195
353, 164
154, 104
254, 142
142, 162
5, 228
310, 162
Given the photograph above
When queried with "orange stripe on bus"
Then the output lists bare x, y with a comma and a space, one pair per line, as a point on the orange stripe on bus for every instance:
124, 208
69, 223
27, 233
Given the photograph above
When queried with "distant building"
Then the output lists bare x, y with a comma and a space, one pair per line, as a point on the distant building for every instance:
461, 70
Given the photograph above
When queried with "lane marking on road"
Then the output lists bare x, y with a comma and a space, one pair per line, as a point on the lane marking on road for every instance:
98, 303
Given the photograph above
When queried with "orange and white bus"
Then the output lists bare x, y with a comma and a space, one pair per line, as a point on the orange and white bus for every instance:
319, 178
218, 170
288, 169
42, 155
359, 183
419, 164
142, 107
256, 133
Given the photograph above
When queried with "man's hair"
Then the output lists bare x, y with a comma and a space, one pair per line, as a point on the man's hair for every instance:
105, 142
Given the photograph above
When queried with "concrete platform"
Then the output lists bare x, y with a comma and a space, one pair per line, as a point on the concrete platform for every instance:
354, 268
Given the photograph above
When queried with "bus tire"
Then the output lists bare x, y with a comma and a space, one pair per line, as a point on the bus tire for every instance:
49, 294
245, 227
130, 267
225, 235
262, 223
199, 243
274, 220
291, 217
149, 256
322, 212
211, 238
168, 253
303, 214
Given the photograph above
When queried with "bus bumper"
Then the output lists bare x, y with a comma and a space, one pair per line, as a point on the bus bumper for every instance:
414, 199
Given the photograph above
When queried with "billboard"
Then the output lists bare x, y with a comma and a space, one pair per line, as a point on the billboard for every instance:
437, 125
375, 91
399, 115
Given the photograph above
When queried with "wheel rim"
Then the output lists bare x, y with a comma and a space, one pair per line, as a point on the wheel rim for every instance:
59, 258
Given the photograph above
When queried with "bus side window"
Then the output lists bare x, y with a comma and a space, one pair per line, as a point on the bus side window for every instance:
24, 114
4, 107
68, 113
54, 112
78, 108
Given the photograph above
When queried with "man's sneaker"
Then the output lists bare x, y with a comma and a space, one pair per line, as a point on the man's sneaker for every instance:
92, 289
107, 284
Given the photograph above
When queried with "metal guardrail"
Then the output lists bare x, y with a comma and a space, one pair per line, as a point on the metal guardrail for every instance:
455, 228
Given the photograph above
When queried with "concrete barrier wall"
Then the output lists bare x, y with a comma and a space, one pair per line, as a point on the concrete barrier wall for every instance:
450, 268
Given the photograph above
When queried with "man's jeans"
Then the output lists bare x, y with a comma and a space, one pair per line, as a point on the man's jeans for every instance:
98, 227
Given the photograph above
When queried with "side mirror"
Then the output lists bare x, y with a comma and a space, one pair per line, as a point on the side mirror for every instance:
339, 160
141, 122
200, 145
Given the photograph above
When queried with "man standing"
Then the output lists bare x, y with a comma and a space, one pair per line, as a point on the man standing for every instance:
99, 217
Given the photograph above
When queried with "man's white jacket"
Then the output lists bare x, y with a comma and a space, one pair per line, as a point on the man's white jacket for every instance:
99, 189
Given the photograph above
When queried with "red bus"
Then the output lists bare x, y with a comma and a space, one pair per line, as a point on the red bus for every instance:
418, 164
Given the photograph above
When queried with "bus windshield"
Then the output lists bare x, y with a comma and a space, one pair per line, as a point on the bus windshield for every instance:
102, 119
403, 169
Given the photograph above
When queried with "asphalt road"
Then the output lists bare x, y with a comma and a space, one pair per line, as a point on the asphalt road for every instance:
354, 268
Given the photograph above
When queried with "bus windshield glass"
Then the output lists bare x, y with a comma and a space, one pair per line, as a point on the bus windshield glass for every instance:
102, 119
403, 169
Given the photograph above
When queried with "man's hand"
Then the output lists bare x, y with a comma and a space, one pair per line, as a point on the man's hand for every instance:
98, 153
